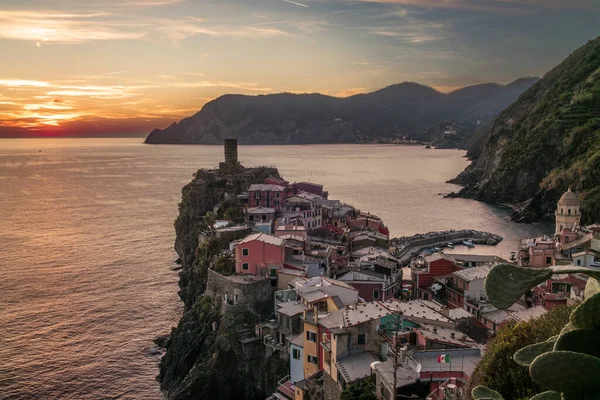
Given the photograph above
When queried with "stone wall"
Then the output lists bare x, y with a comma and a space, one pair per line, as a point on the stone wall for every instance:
331, 389
256, 294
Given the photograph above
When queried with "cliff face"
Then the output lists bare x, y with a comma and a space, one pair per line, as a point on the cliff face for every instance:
205, 358
545, 142
404, 109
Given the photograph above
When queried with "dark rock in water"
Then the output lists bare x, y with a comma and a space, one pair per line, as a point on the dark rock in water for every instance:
153, 351
162, 340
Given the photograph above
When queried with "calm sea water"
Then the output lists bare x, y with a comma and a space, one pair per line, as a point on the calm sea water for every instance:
86, 237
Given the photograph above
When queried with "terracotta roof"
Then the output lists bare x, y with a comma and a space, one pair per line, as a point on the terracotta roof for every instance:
262, 237
260, 210
473, 274
262, 187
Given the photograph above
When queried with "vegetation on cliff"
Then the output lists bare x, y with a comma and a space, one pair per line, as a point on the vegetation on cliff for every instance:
410, 109
545, 142
566, 365
497, 369
204, 357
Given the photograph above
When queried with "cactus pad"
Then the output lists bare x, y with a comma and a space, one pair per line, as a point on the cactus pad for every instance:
592, 287
566, 371
484, 393
506, 283
587, 314
573, 269
527, 354
547, 396
585, 341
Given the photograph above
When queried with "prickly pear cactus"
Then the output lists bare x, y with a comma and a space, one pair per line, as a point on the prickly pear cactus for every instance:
568, 365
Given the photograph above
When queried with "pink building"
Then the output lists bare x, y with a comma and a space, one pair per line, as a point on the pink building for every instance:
264, 195
258, 252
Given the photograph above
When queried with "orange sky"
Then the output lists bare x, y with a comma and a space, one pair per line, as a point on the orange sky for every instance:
134, 65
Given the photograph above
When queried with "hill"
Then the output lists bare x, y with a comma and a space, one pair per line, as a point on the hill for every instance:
406, 110
548, 140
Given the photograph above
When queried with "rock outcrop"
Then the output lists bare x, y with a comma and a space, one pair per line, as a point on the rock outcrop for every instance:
545, 142
206, 356
406, 109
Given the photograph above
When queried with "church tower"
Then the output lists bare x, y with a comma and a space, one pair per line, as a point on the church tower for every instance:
567, 211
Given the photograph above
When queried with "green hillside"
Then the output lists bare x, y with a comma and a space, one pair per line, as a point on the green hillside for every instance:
546, 141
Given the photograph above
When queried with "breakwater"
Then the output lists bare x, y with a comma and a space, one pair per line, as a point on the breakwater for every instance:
408, 246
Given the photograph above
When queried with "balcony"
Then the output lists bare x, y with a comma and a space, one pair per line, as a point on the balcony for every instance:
450, 285
270, 341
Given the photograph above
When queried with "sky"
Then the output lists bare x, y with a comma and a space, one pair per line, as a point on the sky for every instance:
128, 66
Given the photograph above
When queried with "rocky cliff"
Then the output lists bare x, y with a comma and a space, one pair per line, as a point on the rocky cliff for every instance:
545, 142
406, 109
205, 358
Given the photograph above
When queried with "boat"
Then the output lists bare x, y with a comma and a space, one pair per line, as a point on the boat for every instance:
468, 243
428, 147
450, 246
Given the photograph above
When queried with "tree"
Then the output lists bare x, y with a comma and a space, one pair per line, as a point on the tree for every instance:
361, 390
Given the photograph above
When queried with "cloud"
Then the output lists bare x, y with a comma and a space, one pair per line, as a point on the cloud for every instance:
54, 27
295, 3
507, 6
22, 82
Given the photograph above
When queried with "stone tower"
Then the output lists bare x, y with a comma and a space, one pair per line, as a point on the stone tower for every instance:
231, 156
567, 211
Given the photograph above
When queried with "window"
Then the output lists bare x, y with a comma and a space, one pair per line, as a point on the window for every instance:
312, 359
311, 336
569, 211
245, 252
295, 354
277, 195
578, 262
425, 296
245, 267
375, 294
548, 260
361, 339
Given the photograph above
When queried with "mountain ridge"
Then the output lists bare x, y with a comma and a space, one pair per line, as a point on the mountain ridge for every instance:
406, 109
545, 142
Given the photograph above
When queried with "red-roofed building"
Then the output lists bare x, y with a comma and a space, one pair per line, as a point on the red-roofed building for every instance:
257, 252
435, 266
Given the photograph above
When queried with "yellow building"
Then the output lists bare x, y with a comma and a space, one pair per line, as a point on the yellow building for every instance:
567, 212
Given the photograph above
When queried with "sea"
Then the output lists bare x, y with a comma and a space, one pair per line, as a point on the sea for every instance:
86, 245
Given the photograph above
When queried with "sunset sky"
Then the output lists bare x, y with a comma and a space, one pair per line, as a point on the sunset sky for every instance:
75, 67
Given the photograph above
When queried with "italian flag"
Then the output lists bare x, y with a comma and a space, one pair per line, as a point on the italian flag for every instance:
444, 358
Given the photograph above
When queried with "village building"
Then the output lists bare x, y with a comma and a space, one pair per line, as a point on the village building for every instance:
371, 285
424, 275
265, 195
465, 288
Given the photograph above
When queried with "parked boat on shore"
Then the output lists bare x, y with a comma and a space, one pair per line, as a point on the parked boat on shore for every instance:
468, 243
